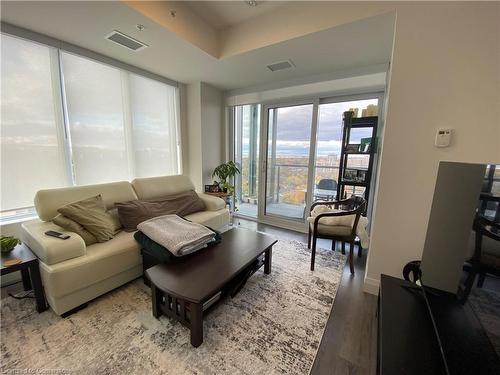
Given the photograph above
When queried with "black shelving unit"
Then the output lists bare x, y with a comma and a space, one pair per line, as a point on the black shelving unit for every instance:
363, 175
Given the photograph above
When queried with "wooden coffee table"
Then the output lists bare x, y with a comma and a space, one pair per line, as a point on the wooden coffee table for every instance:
184, 290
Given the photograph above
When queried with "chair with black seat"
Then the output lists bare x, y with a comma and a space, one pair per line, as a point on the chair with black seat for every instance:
486, 258
353, 206
326, 189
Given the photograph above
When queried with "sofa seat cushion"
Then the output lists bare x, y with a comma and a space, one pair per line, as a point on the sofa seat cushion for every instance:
51, 250
212, 219
102, 260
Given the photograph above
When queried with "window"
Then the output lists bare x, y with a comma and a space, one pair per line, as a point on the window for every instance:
69, 120
94, 102
32, 150
154, 127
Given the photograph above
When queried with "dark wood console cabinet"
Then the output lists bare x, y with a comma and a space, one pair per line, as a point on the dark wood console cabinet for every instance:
411, 340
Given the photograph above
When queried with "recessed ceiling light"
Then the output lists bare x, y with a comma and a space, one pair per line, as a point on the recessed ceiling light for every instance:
252, 3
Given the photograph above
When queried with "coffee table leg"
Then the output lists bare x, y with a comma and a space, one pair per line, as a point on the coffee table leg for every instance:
36, 280
268, 255
25, 275
196, 320
156, 297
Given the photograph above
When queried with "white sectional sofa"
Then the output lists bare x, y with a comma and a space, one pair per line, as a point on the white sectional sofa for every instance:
73, 273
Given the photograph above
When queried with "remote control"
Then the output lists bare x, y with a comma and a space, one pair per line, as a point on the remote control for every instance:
59, 235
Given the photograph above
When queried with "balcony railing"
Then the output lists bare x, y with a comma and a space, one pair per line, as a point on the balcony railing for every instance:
275, 191
277, 201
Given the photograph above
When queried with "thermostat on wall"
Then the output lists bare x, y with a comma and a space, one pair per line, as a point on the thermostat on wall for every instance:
443, 137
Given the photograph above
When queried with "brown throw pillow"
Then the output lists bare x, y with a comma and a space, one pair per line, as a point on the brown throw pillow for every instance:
72, 226
91, 214
134, 212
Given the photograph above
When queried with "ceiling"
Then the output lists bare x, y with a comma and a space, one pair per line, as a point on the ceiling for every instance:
357, 44
224, 14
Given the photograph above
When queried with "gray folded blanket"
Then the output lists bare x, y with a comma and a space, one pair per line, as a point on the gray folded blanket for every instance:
179, 236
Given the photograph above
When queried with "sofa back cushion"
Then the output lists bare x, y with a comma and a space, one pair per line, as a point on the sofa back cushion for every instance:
134, 212
48, 201
159, 187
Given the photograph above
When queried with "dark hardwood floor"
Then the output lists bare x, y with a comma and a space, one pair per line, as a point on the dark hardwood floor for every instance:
349, 343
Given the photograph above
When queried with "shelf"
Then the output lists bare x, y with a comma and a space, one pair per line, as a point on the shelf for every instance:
356, 124
363, 122
353, 183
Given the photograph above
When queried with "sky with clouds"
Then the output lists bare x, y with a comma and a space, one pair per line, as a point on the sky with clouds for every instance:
294, 127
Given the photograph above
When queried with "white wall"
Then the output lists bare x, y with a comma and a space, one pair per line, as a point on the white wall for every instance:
194, 136
445, 69
367, 80
212, 130
205, 140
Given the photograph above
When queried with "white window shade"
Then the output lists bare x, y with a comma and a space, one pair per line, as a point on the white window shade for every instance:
154, 127
70, 120
32, 135
95, 110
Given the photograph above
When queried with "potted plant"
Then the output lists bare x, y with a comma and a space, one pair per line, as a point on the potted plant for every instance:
8, 243
225, 172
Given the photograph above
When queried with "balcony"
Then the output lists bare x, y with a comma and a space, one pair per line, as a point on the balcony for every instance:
286, 190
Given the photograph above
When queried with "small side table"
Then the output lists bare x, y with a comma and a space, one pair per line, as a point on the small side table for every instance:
30, 273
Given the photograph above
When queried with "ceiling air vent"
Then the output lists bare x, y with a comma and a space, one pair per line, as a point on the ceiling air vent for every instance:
281, 65
126, 41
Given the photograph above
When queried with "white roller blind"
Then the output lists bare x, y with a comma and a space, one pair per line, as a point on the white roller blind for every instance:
154, 127
69, 120
32, 135
94, 101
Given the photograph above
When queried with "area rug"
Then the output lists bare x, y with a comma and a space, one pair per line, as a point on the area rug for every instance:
273, 326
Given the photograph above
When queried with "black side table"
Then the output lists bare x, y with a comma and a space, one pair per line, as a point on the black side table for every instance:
30, 273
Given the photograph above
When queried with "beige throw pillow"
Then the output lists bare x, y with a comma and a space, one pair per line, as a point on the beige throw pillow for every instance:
91, 214
117, 226
72, 226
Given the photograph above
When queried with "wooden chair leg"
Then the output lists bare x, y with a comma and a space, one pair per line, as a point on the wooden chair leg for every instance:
469, 282
351, 252
343, 248
313, 252
309, 238
333, 245
360, 251
480, 280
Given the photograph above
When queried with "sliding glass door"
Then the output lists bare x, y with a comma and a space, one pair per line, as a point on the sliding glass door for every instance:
288, 161
246, 120
289, 156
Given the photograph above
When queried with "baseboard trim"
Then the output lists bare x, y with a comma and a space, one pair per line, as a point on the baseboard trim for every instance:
371, 285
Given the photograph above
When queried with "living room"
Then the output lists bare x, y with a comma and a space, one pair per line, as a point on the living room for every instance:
245, 118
